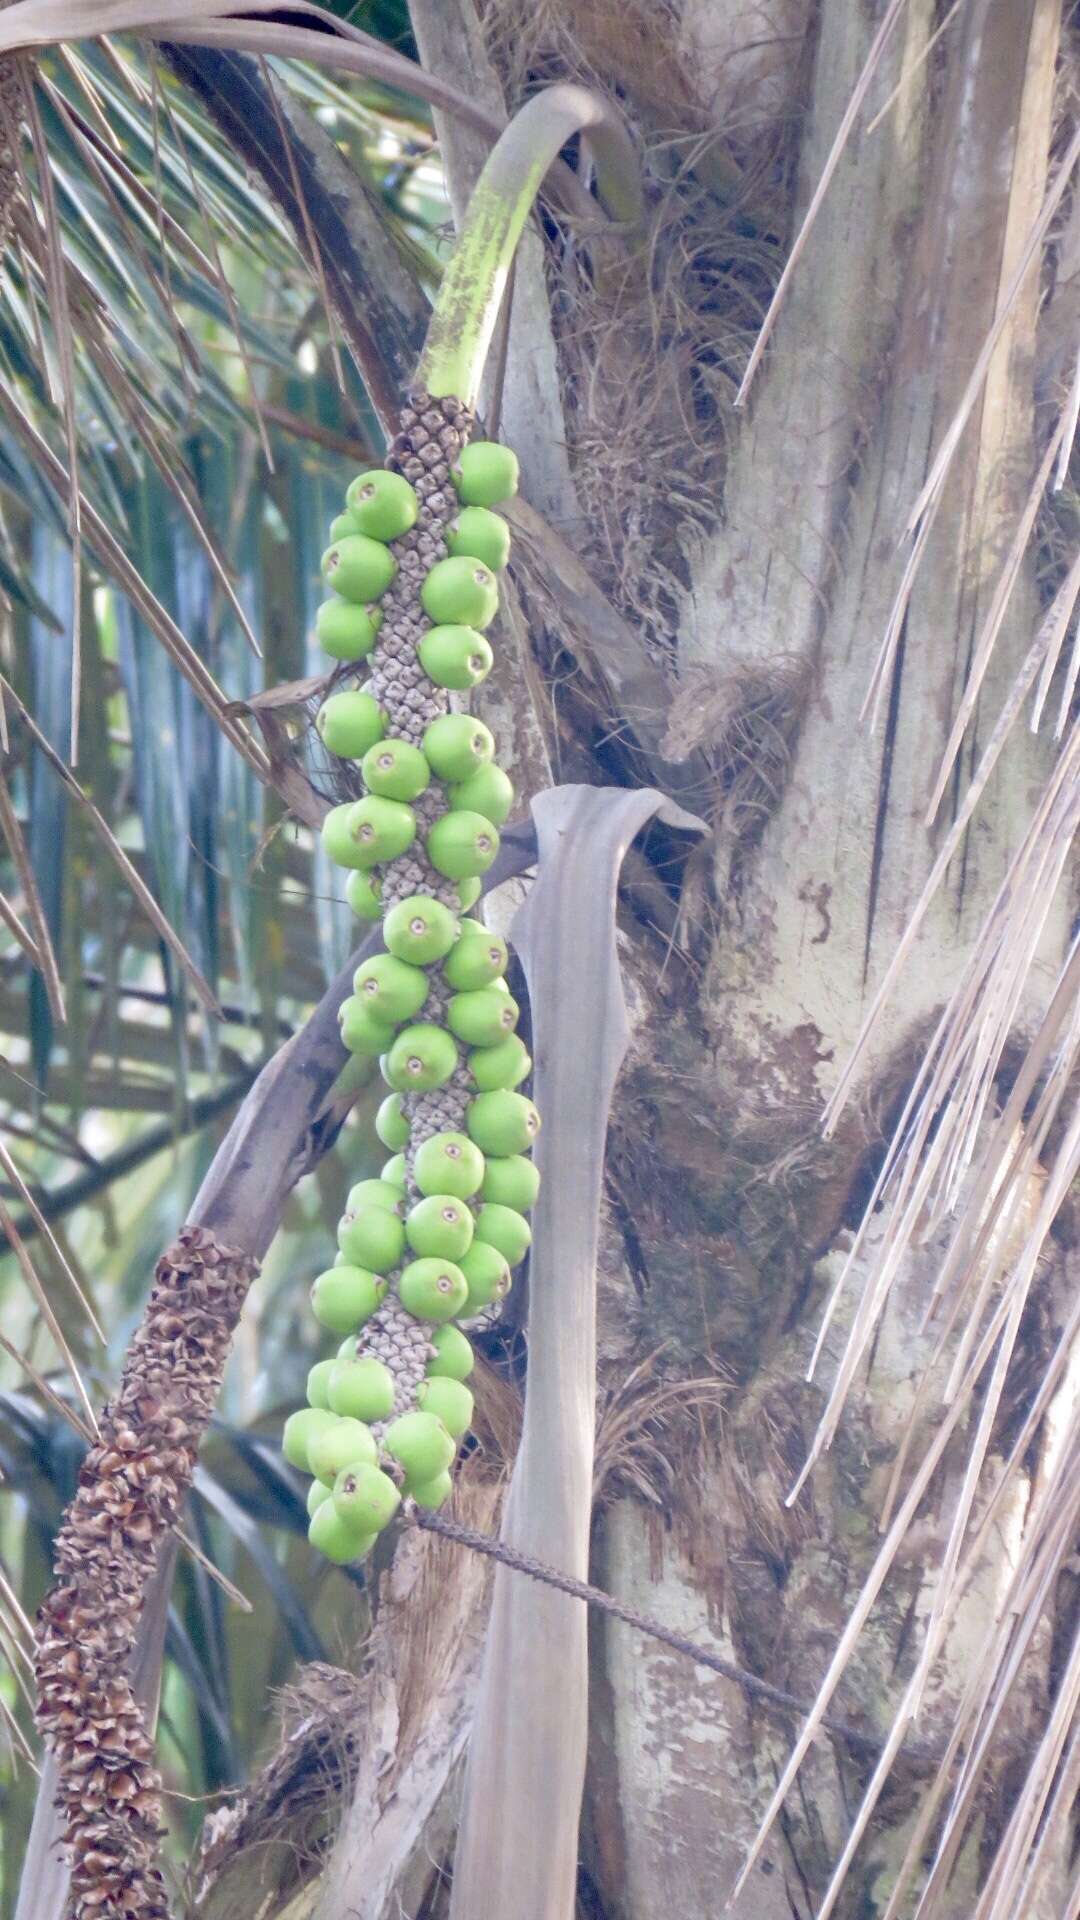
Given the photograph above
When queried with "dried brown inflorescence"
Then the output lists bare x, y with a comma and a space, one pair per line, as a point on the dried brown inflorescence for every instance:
131, 1489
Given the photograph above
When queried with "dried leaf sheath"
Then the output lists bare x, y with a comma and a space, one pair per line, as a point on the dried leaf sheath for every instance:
130, 1492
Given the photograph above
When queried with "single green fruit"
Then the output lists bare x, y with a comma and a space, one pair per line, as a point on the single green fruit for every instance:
422, 1057
503, 1228
502, 1066
336, 1538
337, 838
344, 1443
316, 1494
350, 1346
373, 1238
345, 632
462, 844
452, 1402
362, 1387
487, 1277
420, 1443
455, 657
486, 473
343, 524
475, 961
300, 1430
395, 1173
511, 1182
318, 1381
439, 1227
502, 1122
393, 989
362, 1031
381, 829
432, 1493
483, 1017
344, 1298
383, 504
358, 568
373, 1193
455, 745
395, 769
469, 891
488, 791
454, 1358
365, 1497
459, 593
449, 1163
391, 1124
350, 723
433, 1289
420, 930
479, 534
363, 891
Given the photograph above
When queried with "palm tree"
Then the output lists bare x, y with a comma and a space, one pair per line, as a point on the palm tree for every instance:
796, 552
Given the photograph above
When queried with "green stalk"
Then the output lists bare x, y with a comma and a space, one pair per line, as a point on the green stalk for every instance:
467, 307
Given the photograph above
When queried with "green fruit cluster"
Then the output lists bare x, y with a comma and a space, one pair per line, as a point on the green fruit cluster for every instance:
438, 1234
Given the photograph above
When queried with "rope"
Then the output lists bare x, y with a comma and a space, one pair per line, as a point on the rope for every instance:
549, 1576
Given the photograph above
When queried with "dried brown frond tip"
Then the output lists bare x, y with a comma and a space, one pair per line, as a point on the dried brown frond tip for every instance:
130, 1492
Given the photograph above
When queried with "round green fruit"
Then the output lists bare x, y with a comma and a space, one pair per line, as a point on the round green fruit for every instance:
475, 961
452, 1402
457, 593
511, 1182
391, 1124
343, 1443
337, 838
363, 891
439, 1227
335, 1538
432, 1493
373, 1193
469, 891
372, 1238
420, 1444
346, 633
343, 524
420, 930
433, 1289
455, 745
344, 1298
395, 769
422, 1057
362, 1031
462, 844
350, 723
479, 534
486, 473
502, 1122
318, 1382
483, 1017
393, 989
380, 829
455, 657
449, 1163
365, 1498
506, 1230
502, 1066
316, 1494
299, 1431
454, 1358
383, 504
395, 1173
362, 1388
488, 791
358, 568
487, 1276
